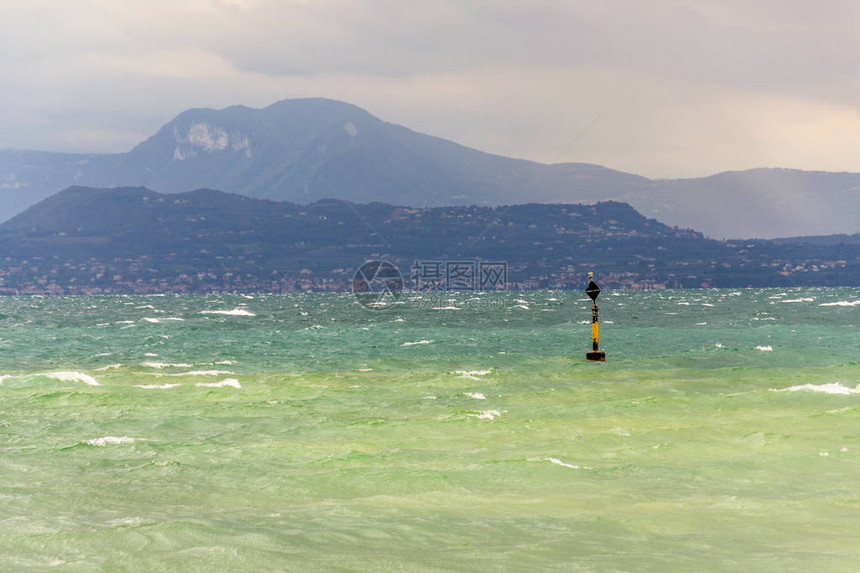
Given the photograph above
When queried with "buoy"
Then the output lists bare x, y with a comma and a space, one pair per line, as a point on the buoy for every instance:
595, 354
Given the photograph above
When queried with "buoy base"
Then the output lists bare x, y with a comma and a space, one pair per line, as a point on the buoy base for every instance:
595, 356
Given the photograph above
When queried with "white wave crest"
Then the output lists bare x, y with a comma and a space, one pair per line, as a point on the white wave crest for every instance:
158, 320
764, 348
829, 388
199, 373
472, 374
232, 382
71, 376
161, 365
487, 415
104, 441
558, 462
234, 312
416, 343
156, 386
475, 395
841, 303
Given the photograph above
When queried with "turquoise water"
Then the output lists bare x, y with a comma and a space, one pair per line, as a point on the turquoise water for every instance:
460, 433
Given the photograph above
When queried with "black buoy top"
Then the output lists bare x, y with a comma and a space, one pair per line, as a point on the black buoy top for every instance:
592, 290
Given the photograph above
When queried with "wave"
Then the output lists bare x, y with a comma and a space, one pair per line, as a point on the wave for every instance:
159, 320
487, 415
161, 365
829, 388
557, 462
416, 343
199, 373
472, 374
232, 382
234, 312
475, 395
112, 440
764, 348
156, 386
72, 376
841, 303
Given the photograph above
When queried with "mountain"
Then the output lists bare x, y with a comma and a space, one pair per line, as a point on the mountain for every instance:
304, 150
827, 240
86, 240
27, 177
764, 203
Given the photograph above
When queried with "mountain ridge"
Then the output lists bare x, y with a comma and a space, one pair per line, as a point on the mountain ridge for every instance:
132, 239
305, 149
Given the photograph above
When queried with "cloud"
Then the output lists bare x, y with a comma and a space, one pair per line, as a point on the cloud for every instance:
689, 87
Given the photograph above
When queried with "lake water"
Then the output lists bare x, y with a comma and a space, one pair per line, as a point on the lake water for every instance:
446, 433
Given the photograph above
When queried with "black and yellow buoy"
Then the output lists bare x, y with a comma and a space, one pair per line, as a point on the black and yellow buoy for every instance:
595, 354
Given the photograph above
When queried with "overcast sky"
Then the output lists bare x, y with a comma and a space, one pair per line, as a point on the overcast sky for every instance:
688, 88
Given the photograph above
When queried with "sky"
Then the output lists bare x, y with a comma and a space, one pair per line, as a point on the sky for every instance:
661, 88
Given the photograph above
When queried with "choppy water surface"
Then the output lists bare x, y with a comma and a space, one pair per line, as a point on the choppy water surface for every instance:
465, 432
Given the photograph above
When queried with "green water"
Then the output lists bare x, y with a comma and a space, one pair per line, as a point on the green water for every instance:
467, 433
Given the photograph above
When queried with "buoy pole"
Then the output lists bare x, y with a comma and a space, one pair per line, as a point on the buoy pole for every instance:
595, 354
